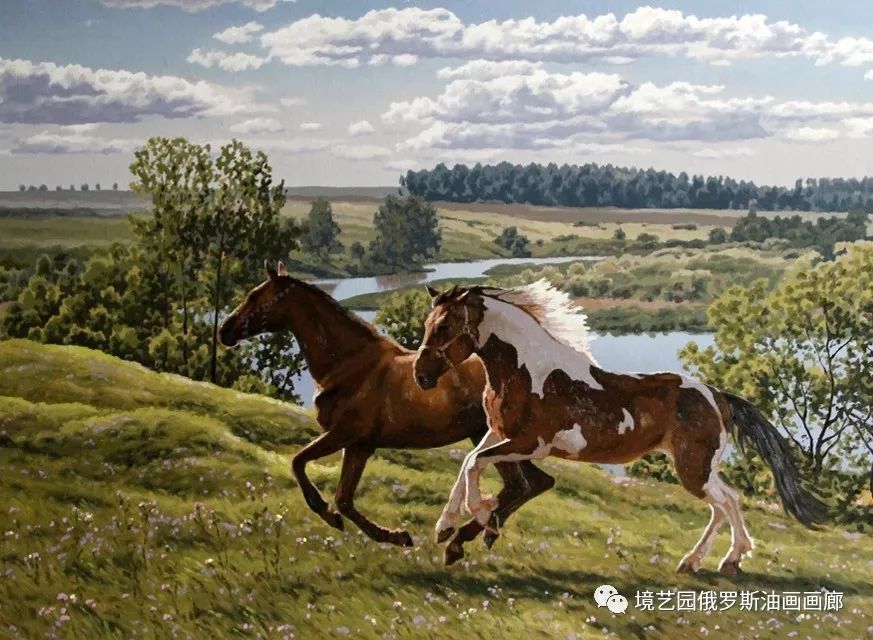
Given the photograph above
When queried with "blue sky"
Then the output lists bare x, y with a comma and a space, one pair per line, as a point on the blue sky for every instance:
354, 93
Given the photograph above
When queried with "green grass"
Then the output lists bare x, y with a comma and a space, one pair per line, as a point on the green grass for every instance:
153, 502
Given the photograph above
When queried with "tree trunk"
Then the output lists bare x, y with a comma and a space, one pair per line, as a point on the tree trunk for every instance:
214, 358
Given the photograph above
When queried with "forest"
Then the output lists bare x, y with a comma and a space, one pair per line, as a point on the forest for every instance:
590, 185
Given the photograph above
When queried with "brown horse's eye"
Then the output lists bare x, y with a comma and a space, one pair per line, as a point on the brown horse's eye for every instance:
441, 329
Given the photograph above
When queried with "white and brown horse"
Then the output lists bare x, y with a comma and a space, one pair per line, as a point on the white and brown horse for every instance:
546, 396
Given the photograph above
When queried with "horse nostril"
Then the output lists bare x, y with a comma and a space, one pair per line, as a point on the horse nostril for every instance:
422, 380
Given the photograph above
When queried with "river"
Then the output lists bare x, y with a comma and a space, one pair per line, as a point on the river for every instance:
641, 353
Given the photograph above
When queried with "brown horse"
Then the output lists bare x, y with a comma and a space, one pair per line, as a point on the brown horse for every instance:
366, 398
545, 395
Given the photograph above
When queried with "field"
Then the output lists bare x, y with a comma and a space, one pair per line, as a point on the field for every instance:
77, 219
138, 504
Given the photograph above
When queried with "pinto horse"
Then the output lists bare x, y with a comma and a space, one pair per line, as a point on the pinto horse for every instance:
545, 395
366, 398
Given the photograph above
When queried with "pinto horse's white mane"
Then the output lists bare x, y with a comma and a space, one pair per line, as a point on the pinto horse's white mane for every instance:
555, 312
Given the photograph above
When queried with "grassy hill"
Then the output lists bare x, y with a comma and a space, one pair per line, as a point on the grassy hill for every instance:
137, 504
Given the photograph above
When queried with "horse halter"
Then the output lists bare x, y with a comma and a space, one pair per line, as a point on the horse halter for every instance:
261, 310
465, 331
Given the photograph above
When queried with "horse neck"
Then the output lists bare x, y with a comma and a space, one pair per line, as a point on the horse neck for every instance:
326, 332
510, 338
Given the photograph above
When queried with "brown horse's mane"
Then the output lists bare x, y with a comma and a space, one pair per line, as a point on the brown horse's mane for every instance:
336, 306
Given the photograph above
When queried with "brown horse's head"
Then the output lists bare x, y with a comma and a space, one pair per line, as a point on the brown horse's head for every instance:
259, 312
450, 333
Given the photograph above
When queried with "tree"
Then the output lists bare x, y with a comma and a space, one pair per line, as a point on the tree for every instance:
407, 231
619, 234
22, 187
403, 316
32, 188
319, 233
97, 187
357, 251
802, 354
115, 186
72, 187
84, 187
58, 188
517, 244
718, 236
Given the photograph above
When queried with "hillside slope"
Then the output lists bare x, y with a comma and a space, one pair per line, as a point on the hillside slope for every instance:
143, 504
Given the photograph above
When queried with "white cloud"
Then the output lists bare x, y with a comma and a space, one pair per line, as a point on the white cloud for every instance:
290, 145
859, 127
410, 33
310, 126
44, 92
239, 35
361, 128
72, 140
360, 152
488, 69
489, 105
709, 153
869, 75
258, 125
292, 102
191, 6
810, 134
228, 61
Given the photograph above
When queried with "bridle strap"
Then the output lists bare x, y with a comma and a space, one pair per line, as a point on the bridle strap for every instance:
465, 331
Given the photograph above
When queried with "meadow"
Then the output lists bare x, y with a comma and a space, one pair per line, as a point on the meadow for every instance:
138, 504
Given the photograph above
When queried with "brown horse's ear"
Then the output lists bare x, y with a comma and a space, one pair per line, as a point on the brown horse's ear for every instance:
433, 293
282, 271
271, 270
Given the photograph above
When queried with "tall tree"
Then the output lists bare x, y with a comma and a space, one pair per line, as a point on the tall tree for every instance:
407, 231
320, 231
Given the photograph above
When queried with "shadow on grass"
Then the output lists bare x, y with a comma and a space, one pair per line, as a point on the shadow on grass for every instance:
544, 584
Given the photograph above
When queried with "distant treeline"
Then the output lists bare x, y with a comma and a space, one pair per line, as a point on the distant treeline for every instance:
591, 185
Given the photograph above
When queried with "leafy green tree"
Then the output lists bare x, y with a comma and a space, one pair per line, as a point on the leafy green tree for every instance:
718, 236
214, 220
357, 251
403, 316
320, 231
619, 234
803, 354
407, 232
517, 244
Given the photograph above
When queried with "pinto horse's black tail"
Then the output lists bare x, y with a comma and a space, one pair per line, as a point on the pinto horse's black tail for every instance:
753, 427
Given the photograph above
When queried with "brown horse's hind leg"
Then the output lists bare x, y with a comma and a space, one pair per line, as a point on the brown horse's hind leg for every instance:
522, 482
354, 460
324, 445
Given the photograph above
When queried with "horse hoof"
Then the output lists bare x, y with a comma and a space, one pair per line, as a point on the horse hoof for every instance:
452, 554
333, 519
444, 534
490, 537
729, 568
687, 567
402, 539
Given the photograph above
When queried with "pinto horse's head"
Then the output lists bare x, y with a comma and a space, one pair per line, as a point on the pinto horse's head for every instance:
259, 312
450, 333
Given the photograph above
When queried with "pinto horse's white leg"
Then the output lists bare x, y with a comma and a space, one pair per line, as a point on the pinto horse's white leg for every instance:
505, 451
691, 562
741, 541
448, 520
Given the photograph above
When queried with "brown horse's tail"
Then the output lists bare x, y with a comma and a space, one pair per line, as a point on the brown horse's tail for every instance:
753, 427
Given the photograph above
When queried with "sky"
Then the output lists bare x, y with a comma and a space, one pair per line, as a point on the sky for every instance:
353, 93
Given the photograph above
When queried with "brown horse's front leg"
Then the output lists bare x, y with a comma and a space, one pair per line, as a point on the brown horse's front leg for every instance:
324, 445
522, 481
354, 460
